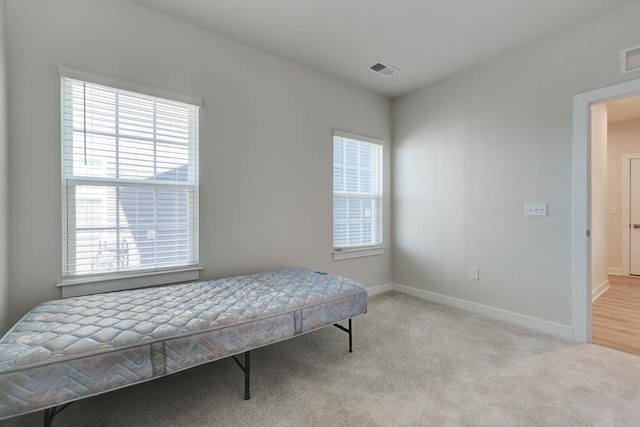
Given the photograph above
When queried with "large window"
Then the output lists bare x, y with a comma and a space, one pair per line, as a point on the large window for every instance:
129, 182
357, 191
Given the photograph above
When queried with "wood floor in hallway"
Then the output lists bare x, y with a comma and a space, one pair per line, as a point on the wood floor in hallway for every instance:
616, 315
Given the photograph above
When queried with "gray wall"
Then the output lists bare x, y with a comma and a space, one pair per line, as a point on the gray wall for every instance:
470, 151
4, 197
265, 146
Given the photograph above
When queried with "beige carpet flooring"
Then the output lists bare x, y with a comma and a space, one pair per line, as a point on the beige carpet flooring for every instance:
415, 363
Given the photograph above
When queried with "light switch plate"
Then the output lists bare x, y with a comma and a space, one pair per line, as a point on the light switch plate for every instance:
535, 209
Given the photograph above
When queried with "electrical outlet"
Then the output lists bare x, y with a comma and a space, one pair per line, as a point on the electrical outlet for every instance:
474, 273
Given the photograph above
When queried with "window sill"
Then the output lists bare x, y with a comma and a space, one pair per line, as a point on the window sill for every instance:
110, 283
350, 253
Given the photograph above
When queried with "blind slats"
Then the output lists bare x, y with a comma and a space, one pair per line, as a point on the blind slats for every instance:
129, 174
357, 191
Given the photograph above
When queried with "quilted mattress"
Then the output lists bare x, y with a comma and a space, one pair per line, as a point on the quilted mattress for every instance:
68, 349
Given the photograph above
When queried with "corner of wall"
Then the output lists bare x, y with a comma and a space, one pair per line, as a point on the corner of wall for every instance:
599, 290
4, 142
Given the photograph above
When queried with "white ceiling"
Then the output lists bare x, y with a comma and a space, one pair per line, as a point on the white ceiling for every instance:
427, 40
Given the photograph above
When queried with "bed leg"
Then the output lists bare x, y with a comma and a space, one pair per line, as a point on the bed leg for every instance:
49, 413
246, 368
348, 330
247, 376
48, 417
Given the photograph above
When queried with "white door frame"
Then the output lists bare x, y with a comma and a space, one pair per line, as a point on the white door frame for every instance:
626, 213
581, 249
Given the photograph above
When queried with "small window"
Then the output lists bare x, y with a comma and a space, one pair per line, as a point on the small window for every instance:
129, 182
357, 192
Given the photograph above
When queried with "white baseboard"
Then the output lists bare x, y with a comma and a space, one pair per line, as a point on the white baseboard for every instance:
545, 326
380, 289
599, 290
616, 271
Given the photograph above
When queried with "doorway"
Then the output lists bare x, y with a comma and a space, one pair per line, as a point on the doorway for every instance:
630, 224
582, 210
615, 224
634, 216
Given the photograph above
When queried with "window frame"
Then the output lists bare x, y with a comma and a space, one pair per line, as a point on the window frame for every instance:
376, 248
73, 285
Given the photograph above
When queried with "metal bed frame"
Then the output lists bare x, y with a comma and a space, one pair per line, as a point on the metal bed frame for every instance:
50, 413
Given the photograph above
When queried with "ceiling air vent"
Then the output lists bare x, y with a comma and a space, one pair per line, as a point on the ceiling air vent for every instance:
385, 70
630, 59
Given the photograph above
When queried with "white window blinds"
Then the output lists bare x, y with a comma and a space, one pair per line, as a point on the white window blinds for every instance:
357, 191
129, 181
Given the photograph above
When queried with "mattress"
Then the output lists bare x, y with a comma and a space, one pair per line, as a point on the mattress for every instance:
68, 349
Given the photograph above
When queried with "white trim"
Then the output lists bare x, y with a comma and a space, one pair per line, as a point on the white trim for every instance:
557, 329
599, 290
357, 137
73, 73
625, 215
615, 271
341, 254
580, 260
540, 325
99, 284
380, 289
